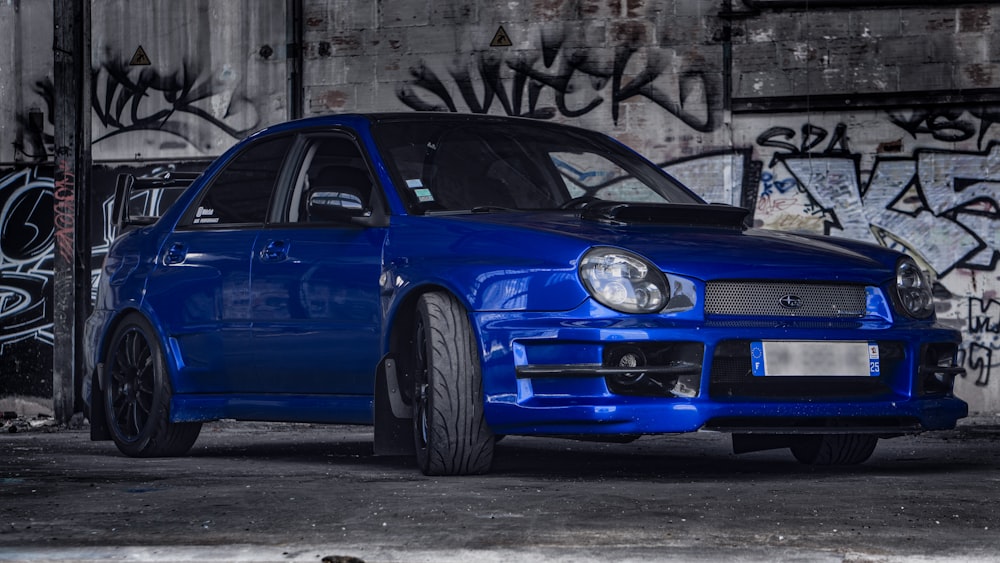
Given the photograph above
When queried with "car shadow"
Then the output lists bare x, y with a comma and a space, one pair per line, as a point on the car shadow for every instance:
674, 457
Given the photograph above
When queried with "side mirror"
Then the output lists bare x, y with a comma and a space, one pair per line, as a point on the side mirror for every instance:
341, 204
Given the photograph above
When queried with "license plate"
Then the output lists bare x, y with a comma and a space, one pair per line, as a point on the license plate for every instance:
814, 359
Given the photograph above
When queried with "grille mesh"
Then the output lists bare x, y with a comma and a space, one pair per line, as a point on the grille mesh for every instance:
764, 299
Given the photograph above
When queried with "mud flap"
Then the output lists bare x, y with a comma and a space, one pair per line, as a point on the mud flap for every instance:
393, 417
95, 411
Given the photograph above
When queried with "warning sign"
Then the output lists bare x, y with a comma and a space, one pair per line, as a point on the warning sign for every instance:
140, 58
501, 39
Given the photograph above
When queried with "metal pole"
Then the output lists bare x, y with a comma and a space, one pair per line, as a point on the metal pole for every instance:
71, 70
293, 53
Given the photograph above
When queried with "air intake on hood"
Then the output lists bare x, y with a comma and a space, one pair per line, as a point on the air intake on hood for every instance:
701, 215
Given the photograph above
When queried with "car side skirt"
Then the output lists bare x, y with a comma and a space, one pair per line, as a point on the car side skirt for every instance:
323, 409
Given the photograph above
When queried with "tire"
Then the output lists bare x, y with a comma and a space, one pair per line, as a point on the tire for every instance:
137, 395
449, 427
835, 449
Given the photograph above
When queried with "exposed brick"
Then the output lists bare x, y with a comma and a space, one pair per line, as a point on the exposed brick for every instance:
324, 100
455, 12
918, 22
976, 19
977, 75
631, 32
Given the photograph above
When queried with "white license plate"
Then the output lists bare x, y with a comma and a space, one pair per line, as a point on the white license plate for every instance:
814, 359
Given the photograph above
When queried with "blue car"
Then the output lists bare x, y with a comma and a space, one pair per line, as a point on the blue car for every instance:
452, 279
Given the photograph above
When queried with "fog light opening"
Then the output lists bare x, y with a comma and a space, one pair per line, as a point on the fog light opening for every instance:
939, 369
628, 357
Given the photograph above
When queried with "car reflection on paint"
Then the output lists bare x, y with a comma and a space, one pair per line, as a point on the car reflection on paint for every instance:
451, 278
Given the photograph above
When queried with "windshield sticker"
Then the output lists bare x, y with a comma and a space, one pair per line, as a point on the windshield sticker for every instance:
424, 195
415, 183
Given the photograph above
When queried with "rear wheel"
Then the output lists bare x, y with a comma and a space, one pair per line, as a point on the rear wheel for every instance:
835, 449
137, 395
449, 427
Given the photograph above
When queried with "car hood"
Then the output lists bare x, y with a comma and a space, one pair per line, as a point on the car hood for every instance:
717, 251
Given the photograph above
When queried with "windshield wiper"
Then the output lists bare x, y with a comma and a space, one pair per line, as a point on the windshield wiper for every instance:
489, 209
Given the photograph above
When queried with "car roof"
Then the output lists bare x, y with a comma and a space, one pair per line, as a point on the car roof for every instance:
358, 119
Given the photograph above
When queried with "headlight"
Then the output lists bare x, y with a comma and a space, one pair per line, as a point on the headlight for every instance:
623, 281
913, 290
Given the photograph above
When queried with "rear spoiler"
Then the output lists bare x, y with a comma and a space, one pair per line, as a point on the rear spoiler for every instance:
126, 212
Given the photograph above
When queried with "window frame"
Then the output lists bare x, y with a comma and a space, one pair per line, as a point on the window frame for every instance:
187, 221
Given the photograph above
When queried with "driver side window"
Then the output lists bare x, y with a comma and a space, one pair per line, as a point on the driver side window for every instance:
239, 195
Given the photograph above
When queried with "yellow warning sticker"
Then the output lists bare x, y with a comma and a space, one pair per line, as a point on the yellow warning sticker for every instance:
140, 58
500, 38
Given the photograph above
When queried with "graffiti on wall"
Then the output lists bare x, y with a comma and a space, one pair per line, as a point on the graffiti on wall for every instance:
26, 249
190, 103
28, 243
940, 205
579, 81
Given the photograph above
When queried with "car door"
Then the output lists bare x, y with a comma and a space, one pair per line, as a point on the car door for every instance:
200, 288
315, 276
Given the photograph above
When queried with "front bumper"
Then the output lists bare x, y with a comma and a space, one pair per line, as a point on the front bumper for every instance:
545, 374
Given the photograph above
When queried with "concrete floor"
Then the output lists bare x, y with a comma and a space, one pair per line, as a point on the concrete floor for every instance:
276, 492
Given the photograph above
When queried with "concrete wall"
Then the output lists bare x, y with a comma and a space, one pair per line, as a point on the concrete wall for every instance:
860, 119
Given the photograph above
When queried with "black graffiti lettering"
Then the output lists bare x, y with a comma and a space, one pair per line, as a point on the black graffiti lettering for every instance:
979, 363
812, 137
424, 77
642, 85
31, 140
767, 139
838, 143
574, 67
947, 126
524, 71
984, 316
153, 102
943, 124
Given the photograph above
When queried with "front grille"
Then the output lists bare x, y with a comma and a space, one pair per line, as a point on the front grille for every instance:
731, 377
800, 299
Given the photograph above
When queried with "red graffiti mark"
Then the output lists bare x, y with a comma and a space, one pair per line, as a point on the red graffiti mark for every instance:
65, 205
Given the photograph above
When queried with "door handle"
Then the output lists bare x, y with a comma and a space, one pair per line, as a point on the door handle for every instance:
274, 251
175, 254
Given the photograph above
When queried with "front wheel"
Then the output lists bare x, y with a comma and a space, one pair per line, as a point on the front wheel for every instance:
137, 395
449, 426
835, 449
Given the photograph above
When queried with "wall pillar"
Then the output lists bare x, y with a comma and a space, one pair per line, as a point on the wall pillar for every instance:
71, 289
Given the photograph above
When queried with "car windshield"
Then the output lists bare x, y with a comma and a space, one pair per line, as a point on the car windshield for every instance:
461, 165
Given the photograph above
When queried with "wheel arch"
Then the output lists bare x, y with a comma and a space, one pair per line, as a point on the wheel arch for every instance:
393, 434
403, 311
114, 321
